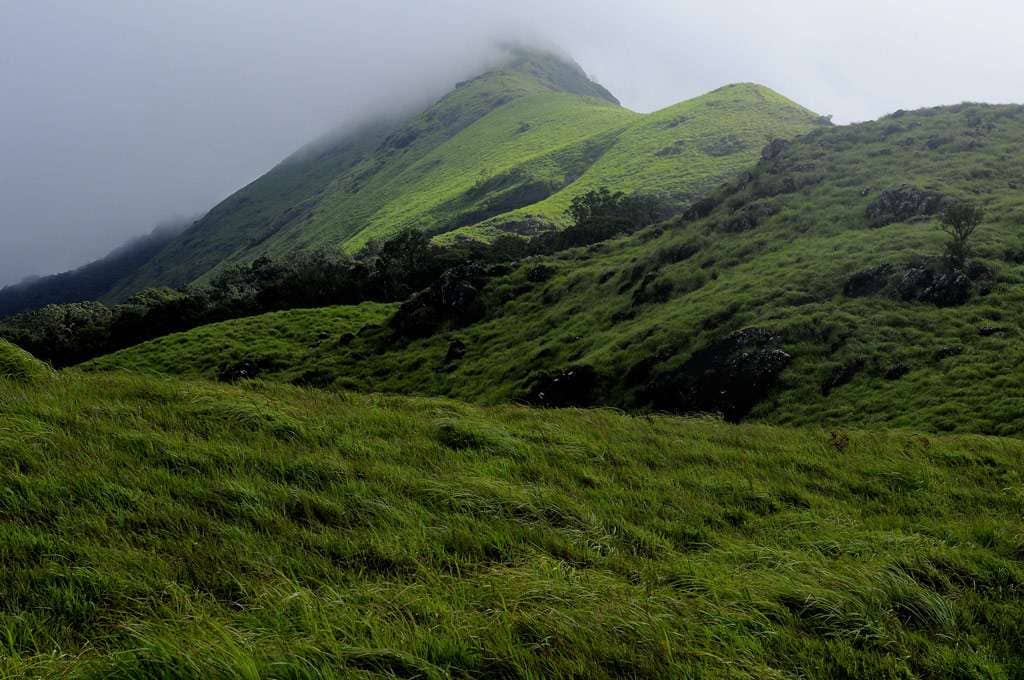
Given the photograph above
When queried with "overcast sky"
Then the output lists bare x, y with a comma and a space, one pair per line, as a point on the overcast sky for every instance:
118, 114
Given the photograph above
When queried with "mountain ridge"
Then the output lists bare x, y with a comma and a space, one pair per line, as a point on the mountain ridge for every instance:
504, 152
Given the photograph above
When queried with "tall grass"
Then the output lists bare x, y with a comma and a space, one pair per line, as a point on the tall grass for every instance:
155, 528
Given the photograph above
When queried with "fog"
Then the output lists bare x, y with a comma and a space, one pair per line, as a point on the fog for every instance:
117, 114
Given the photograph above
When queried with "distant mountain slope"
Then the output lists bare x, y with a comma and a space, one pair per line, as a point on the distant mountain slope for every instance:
284, 195
830, 245
90, 282
507, 150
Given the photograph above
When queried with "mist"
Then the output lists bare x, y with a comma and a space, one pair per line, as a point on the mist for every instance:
115, 114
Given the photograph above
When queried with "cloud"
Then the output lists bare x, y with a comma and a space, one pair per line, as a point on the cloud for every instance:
117, 113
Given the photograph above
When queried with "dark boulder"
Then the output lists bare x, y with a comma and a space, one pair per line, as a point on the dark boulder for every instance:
749, 217
941, 288
730, 376
897, 371
456, 351
989, 331
346, 339
573, 386
905, 203
453, 300
978, 271
870, 281
932, 282
240, 370
937, 141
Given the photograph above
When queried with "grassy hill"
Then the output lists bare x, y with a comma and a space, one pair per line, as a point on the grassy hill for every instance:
778, 250
156, 528
504, 152
283, 346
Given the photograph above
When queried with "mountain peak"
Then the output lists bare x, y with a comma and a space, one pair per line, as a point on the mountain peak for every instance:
555, 70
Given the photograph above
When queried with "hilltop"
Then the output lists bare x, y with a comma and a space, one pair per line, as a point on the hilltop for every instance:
828, 248
502, 153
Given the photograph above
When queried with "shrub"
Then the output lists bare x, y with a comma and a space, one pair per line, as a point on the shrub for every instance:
960, 221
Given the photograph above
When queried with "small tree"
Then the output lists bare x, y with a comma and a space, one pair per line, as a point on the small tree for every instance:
601, 214
960, 221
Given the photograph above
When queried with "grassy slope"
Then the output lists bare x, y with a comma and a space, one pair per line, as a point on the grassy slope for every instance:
536, 131
685, 149
17, 365
157, 528
566, 143
285, 345
283, 196
786, 274
437, 187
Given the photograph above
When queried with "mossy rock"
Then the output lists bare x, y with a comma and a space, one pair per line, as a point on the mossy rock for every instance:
18, 365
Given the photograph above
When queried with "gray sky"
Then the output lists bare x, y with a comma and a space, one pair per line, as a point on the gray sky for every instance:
117, 114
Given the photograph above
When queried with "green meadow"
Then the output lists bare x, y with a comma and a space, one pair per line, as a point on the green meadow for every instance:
158, 528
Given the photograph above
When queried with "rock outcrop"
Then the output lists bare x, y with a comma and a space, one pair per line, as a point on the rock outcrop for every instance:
730, 376
904, 203
245, 369
933, 282
573, 386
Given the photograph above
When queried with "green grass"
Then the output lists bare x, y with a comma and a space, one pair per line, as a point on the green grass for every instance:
156, 528
285, 345
17, 365
504, 152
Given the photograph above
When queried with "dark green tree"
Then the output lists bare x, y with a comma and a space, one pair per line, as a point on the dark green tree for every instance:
959, 222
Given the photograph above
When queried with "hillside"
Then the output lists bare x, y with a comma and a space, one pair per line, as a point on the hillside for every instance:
502, 153
91, 281
154, 528
282, 346
830, 246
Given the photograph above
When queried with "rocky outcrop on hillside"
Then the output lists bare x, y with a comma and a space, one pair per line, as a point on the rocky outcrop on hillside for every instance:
904, 203
932, 282
729, 376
